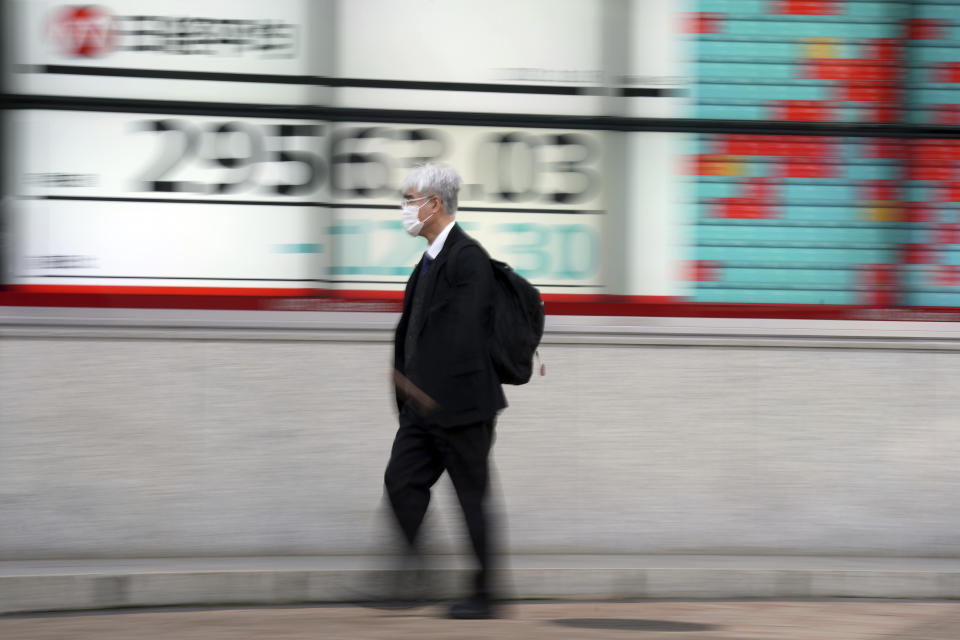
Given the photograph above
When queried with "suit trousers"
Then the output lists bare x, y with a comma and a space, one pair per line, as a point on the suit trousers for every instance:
420, 454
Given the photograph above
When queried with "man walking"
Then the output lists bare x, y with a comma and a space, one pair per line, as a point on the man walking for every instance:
448, 393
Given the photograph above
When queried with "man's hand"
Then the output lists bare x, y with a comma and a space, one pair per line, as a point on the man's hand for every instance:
420, 401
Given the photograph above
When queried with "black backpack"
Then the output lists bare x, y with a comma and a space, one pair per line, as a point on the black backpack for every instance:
517, 320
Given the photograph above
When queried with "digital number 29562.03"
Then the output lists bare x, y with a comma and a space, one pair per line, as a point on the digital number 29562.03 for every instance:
275, 159
366, 162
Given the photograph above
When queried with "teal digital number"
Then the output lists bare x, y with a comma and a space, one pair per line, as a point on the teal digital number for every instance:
550, 252
373, 248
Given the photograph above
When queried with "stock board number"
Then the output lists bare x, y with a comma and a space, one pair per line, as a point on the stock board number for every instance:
503, 166
240, 147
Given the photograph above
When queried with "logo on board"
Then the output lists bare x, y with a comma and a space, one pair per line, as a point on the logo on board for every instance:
83, 32
93, 31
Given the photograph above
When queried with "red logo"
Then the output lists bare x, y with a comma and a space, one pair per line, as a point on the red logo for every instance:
83, 32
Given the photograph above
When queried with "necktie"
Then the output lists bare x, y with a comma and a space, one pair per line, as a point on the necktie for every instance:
425, 264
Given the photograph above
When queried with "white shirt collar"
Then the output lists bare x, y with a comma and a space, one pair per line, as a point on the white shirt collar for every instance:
434, 249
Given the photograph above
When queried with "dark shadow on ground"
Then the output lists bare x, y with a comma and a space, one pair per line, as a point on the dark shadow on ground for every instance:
633, 624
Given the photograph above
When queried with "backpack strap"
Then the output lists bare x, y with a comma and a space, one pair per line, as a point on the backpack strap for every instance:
454, 253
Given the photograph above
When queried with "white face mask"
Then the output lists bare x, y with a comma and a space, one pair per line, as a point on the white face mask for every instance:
410, 217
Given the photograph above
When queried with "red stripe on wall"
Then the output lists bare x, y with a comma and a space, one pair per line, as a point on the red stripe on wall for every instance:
555, 304
132, 290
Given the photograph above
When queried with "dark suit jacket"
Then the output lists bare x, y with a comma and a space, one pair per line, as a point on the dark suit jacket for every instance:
452, 363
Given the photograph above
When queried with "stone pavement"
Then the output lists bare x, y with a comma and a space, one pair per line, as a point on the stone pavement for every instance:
581, 620
60, 585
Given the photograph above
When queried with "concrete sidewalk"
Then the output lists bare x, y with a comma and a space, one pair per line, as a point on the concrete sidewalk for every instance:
53, 585
650, 620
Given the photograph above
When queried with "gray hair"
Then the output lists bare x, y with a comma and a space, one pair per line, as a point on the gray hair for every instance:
435, 179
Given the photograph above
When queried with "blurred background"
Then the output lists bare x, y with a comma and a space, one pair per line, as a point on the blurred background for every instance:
727, 151
742, 216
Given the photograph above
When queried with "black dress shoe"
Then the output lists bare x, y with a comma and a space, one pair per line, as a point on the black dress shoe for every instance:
472, 609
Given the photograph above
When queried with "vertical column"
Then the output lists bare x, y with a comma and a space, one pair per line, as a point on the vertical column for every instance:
320, 39
4, 143
653, 223
618, 221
